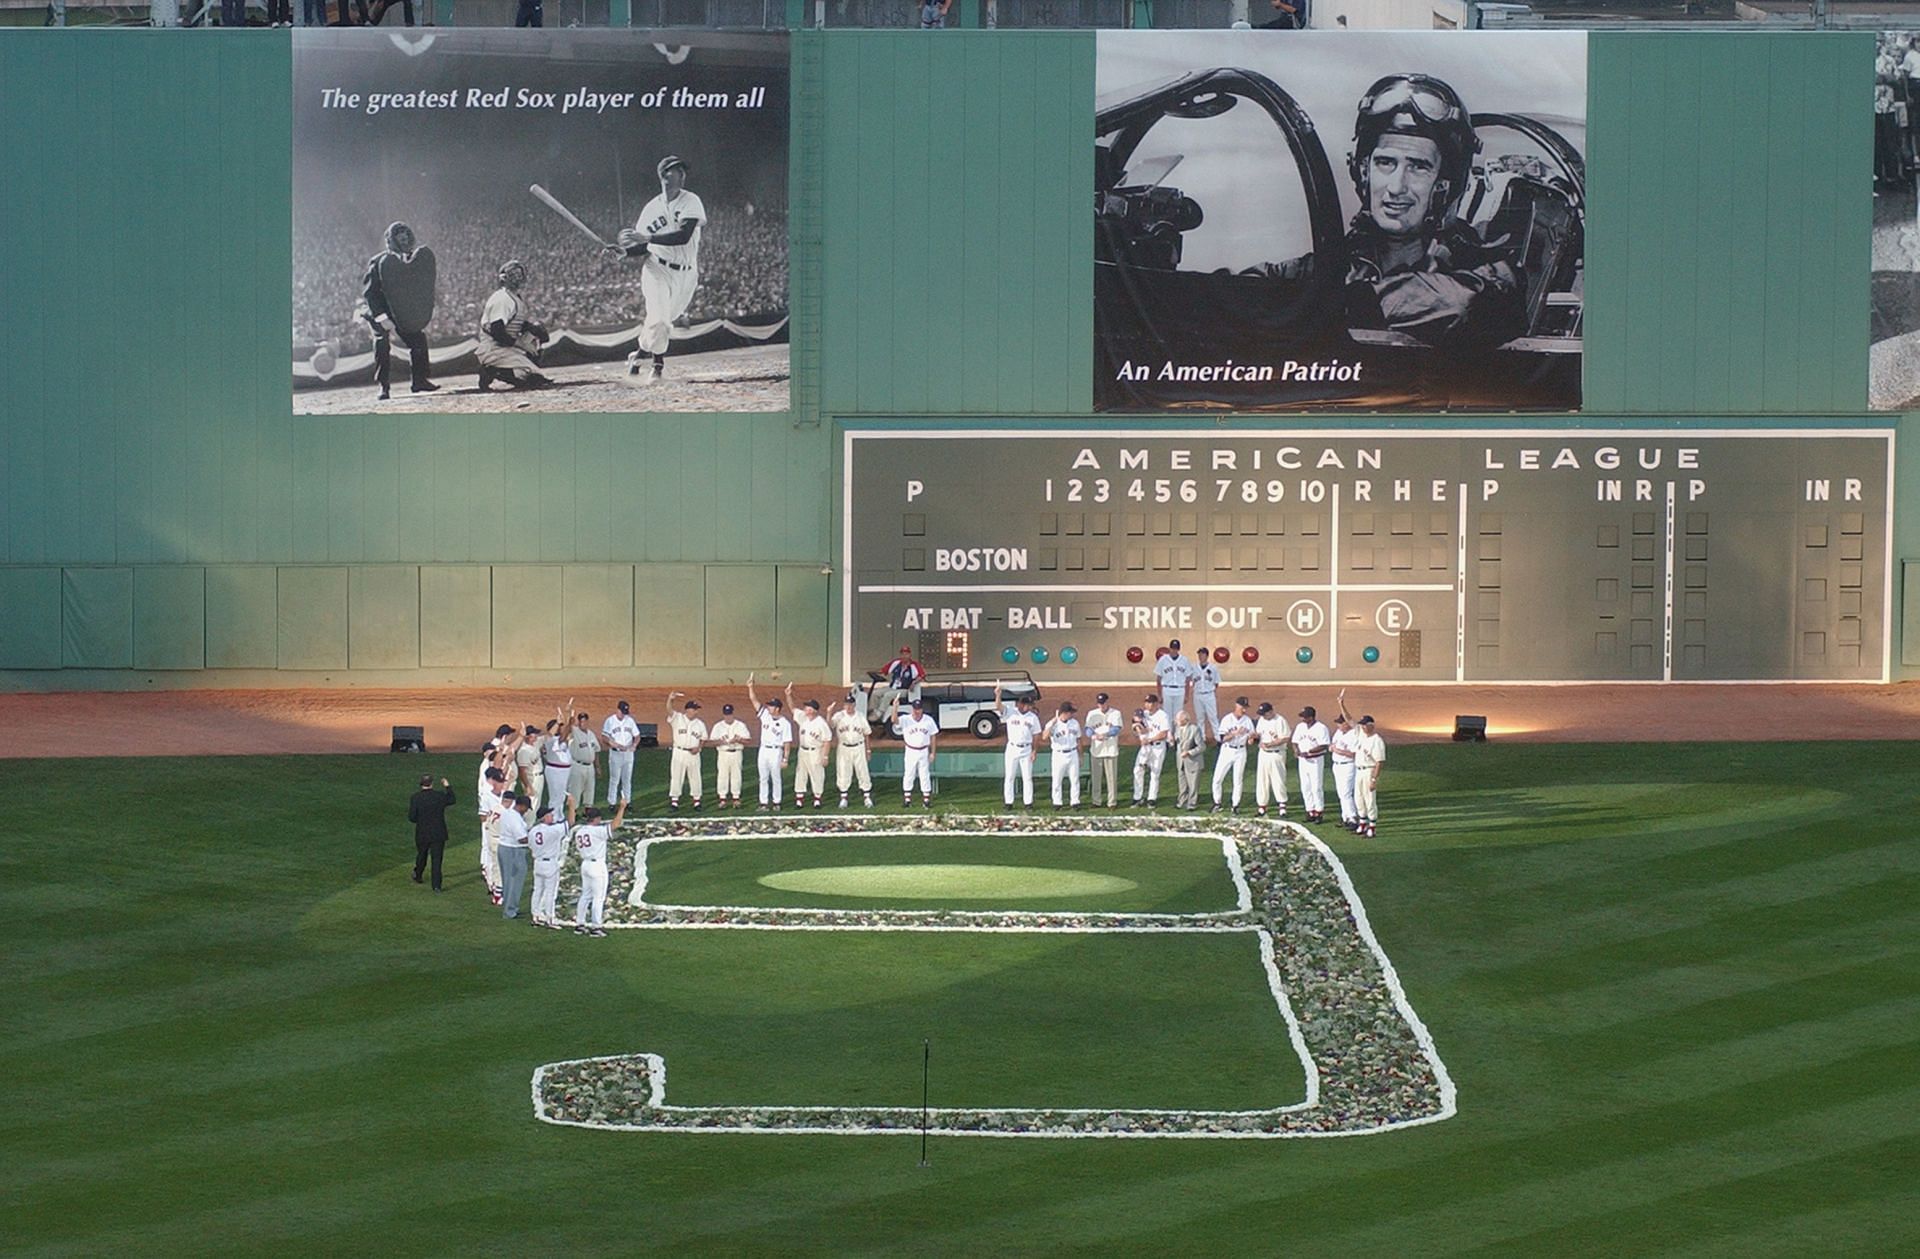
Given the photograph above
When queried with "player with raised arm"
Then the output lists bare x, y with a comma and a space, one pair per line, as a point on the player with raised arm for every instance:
1341, 749
917, 732
776, 732
1023, 732
666, 240
590, 840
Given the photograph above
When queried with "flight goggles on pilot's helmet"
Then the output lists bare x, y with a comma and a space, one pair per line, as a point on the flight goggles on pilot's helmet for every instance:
1423, 95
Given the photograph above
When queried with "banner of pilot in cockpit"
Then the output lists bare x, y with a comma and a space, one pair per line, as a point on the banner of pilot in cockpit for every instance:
1327, 220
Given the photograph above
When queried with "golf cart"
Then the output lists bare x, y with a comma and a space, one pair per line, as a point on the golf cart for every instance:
959, 700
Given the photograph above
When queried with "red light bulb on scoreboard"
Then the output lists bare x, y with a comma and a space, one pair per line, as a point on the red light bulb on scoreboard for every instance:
1135, 655
1250, 655
1222, 654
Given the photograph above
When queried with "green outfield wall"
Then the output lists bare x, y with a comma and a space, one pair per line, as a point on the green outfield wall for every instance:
167, 522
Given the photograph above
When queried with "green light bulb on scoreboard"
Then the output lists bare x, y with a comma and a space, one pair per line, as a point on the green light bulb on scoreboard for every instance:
1039, 655
1010, 654
1069, 655
1371, 655
1304, 655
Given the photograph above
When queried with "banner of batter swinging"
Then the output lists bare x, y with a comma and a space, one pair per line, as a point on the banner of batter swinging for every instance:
1339, 219
534, 220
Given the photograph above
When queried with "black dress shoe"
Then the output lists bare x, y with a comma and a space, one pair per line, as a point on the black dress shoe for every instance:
426, 386
416, 876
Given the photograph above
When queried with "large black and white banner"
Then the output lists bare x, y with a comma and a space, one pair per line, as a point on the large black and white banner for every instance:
1893, 374
1325, 220
563, 220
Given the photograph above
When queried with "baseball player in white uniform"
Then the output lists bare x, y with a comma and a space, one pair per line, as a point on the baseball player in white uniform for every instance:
689, 734
1104, 724
1236, 731
590, 840
1369, 758
1063, 747
1206, 699
547, 841
812, 737
1272, 732
508, 346
533, 770
850, 750
1023, 733
1174, 672
1155, 731
556, 753
730, 736
493, 806
918, 732
666, 239
1311, 738
776, 732
622, 734
585, 745
1345, 740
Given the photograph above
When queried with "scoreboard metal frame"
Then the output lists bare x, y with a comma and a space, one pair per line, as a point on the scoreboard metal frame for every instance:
1008, 459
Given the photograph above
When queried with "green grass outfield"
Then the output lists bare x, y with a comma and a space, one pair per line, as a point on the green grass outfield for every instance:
1678, 987
1150, 874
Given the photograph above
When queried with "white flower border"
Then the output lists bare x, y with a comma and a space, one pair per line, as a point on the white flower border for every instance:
1406, 1085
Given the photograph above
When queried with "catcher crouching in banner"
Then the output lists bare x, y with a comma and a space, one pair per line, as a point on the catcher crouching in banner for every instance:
396, 300
1408, 263
666, 238
509, 345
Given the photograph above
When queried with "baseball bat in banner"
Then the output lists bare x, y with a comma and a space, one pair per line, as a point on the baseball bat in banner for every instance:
553, 203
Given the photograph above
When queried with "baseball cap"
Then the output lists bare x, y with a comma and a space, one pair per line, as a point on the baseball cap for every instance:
726, 709
1174, 643
1265, 708
813, 704
1307, 711
693, 703
919, 703
1152, 699
1068, 707
906, 651
667, 163
775, 703
1367, 720
1243, 701
623, 706
543, 810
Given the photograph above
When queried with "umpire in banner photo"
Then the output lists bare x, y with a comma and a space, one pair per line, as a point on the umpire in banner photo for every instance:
427, 810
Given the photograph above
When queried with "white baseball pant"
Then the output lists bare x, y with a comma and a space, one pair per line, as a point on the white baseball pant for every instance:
490, 850
683, 771
810, 773
1206, 711
619, 777
593, 894
1066, 766
849, 766
556, 783
1270, 779
1313, 783
1146, 772
1343, 784
1233, 760
1019, 765
667, 293
771, 773
918, 763
1365, 799
546, 888
726, 773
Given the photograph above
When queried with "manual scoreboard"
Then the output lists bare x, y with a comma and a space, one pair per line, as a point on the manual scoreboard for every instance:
1535, 556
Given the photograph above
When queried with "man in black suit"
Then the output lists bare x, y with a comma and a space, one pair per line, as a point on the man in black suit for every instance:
428, 813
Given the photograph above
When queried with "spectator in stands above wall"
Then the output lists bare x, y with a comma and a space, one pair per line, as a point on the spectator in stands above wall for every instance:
933, 14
